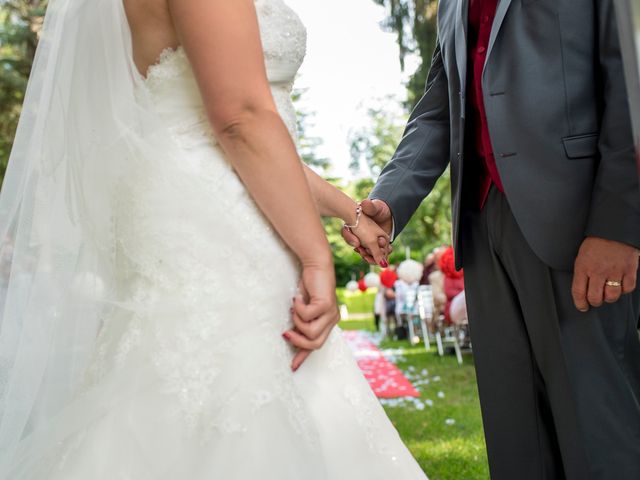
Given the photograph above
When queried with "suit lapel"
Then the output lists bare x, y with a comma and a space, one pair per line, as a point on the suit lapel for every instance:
462, 12
501, 12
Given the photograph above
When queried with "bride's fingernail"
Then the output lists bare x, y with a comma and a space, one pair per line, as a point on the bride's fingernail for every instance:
286, 336
384, 264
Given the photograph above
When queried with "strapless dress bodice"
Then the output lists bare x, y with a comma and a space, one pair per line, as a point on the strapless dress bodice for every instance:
172, 88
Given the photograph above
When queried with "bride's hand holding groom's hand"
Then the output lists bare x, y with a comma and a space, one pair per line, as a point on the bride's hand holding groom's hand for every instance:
373, 242
378, 213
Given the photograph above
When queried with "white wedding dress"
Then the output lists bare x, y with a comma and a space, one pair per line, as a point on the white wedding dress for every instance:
198, 385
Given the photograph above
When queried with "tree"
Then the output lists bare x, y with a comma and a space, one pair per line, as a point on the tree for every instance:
307, 144
20, 25
414, 23
372, 147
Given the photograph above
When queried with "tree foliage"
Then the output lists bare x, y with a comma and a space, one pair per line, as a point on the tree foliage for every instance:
20, 24
414, 23
307, 144
372, 147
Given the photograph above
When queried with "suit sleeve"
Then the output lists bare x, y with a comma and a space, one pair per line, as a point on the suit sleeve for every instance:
615, 204
423, 153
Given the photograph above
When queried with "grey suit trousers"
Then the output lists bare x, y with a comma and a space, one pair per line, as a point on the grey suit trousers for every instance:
559, 389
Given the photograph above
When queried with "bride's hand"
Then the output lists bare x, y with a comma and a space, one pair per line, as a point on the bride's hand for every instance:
374, 240
315, 311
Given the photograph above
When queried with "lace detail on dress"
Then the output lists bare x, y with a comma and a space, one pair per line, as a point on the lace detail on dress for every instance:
285, 38
364, 407
172, 62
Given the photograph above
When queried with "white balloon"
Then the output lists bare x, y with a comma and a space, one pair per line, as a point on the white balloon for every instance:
410, 271
352, 286
372, 280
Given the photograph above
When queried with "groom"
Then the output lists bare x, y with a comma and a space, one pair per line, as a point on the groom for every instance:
526, 102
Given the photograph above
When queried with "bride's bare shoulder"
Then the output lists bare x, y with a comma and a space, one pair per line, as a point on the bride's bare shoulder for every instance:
152, 30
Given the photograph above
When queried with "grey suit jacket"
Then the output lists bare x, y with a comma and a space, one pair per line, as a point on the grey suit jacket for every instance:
557, 111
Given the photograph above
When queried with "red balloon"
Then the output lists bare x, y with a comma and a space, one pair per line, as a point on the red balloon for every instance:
447, 264
362, 285
388, 277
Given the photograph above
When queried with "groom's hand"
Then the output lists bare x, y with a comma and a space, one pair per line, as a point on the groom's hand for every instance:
380, 213
604, 270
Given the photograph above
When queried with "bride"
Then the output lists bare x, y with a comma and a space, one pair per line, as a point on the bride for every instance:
169, 303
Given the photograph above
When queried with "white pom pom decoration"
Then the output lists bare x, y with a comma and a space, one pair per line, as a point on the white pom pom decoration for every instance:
352, 286
410, 271
372, 280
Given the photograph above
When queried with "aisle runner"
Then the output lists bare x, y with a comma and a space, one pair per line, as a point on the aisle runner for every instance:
386, 380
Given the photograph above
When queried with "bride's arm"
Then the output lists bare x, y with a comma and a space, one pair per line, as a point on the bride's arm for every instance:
332, 202
222, 40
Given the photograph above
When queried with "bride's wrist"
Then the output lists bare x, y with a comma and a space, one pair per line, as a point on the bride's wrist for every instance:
322, 260
350, 214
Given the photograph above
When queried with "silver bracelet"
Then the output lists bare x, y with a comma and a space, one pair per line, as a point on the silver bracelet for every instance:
358, 215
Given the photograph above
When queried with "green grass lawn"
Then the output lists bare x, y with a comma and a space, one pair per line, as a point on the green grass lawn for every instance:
445, 451
357, 302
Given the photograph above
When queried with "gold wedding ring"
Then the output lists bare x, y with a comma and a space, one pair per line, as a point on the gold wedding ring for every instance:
613, 283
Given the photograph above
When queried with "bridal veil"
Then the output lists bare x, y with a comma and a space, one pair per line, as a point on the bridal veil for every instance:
81, 128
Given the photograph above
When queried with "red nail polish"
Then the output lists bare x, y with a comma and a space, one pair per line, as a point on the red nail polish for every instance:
286, 336
384, 264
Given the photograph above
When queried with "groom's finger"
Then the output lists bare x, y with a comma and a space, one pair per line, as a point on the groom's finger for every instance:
379, 212
579, 291
595, 294
371, 208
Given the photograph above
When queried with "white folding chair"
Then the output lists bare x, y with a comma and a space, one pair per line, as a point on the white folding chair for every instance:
426, 311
